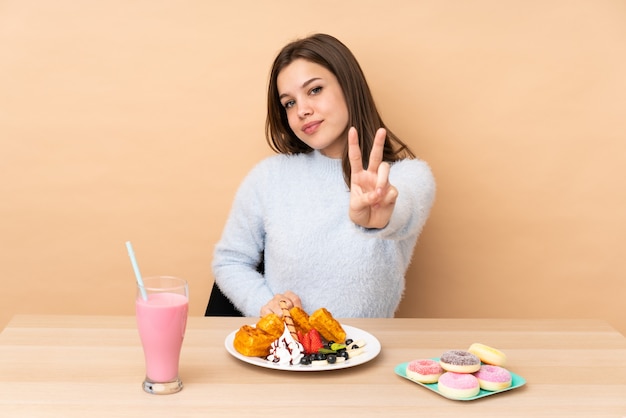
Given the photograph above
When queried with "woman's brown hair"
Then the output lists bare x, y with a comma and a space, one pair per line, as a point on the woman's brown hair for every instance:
333, 55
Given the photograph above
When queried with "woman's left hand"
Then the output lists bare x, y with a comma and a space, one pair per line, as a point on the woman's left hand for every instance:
372, 197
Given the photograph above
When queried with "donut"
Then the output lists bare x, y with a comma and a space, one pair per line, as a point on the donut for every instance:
459, 361
493, 377
424, 370
488, 355
458, 385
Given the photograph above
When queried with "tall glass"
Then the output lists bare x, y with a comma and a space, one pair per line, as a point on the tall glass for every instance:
162, 320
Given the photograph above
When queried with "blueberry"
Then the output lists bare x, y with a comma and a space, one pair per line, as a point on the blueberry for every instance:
349, 341
305, 361
331, 358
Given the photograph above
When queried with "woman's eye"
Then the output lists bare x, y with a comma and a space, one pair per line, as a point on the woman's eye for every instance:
289, 104
316, 90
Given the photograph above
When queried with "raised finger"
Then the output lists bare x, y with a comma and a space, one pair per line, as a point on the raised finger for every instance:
354, 152
376, 155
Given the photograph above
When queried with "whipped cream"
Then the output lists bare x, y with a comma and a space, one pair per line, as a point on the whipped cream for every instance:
286, 350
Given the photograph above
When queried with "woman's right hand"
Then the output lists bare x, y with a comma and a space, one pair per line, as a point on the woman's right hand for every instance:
273, 306
372, 197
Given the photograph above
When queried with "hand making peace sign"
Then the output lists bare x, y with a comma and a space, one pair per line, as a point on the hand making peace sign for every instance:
372, 197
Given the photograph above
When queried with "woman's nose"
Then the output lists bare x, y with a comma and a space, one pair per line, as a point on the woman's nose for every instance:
304, 109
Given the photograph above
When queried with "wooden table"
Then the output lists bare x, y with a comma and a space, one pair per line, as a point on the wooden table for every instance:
92, 366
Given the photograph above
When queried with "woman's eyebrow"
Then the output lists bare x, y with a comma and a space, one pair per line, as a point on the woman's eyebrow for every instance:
306, 83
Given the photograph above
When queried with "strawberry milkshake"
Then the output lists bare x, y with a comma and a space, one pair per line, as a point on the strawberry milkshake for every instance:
161, 319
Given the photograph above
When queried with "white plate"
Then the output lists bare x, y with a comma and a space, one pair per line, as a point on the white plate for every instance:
371, 350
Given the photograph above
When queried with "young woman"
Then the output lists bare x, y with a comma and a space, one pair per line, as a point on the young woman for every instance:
334, 217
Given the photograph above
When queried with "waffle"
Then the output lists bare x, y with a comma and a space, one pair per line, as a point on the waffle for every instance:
300, 319
329, 328
255, 341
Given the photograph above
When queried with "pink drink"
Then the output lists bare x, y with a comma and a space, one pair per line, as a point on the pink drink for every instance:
161, 321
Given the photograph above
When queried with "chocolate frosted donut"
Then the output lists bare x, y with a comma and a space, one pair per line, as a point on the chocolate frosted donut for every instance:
459, 361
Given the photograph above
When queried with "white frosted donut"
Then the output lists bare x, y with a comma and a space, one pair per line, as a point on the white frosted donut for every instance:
424, 370
488, 354
493, 377
458, 385
459, 361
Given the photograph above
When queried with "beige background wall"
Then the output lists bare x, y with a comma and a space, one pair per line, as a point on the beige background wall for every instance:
137, 120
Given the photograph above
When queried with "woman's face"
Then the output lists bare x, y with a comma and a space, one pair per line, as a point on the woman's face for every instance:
316, 108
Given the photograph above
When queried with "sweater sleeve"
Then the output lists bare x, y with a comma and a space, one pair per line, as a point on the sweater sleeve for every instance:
239, 251
416, 194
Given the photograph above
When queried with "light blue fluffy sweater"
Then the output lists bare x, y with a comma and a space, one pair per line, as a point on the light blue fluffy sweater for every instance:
294, 210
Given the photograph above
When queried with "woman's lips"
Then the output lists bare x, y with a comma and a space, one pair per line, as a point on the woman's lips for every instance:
311, 127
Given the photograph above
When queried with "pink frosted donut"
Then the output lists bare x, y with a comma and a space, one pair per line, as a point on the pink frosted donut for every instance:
493, 377
458, 385
459, 361
424, 370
